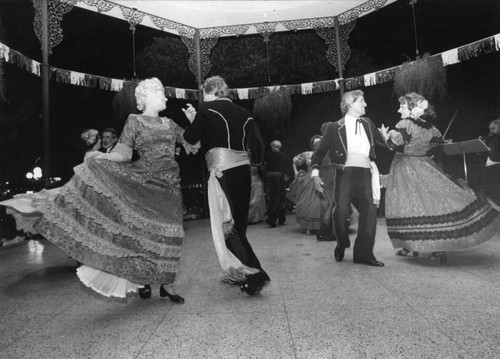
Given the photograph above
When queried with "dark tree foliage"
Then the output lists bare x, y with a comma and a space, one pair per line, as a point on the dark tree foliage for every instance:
272, 113
426, 76
359, 63
288, 58
17, 114
246, 61
167, 59
124, 103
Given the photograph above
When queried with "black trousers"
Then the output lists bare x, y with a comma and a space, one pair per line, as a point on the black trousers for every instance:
276, 188
326, 229
491, 183
236, 184
353, 184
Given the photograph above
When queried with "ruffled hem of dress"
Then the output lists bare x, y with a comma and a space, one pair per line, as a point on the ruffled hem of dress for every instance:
57, 218
85, 177
115, 260
92, 218
106, 284
309, 224
425, 244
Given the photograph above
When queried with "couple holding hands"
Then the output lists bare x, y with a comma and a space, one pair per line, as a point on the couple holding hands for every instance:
123, 220
426, 210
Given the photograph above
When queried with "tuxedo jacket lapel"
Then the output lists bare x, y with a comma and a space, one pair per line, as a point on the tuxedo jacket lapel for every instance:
343, 134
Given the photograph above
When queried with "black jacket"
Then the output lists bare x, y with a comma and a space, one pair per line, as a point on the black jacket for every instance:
334, 141
222, 123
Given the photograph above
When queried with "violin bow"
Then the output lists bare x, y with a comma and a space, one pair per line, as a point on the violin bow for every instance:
449, 125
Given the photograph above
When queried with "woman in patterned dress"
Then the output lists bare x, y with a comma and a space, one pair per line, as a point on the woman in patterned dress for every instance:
308, 201
121, 219
426, 211
257, 209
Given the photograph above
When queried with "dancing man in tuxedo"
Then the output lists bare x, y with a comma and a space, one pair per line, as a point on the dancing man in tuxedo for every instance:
231, 142
350, 143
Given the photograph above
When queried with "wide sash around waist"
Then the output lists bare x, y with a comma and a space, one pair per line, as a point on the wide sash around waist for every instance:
274, 174
410, 155
224, 158
357, 160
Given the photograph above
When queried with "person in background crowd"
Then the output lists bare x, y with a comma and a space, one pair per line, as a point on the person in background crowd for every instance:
492, 166
279, 171
109, 138
308, 201
90, 141
327, 174
257, 207
350, 143
426, 211
232, 142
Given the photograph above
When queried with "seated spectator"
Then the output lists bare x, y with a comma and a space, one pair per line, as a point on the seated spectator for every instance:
90, 141
109, 138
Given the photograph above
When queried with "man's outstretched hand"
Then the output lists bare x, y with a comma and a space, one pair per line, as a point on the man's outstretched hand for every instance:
190, 112
318, 184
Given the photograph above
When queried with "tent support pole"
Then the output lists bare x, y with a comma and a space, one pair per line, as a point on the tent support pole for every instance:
197, 44
339, 57
45, 89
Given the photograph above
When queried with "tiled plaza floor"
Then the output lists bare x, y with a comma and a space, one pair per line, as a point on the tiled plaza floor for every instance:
314, 308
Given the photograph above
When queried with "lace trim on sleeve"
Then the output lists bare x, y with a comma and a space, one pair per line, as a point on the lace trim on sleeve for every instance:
189, 148
124, 150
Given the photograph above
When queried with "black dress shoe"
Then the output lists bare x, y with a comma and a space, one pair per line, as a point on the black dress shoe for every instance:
339, 253
254, 283
271, 224
173, 297
145, 292
370, 262
325, 238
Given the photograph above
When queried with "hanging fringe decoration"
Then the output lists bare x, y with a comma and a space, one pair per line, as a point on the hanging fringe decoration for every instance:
476, 49
450, 57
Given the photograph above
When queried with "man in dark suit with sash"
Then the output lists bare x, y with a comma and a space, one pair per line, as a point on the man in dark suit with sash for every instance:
231, 140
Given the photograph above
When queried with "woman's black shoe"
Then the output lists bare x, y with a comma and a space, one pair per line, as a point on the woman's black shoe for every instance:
173, 297
145, 292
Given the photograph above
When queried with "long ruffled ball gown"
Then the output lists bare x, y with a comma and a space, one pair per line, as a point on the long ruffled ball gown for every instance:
122, 220
427, 211
308, 201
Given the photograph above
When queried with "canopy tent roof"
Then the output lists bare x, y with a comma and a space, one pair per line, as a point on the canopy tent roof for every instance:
227, 18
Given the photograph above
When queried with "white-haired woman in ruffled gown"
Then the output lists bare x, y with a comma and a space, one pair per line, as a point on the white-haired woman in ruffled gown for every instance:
122, 220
